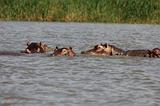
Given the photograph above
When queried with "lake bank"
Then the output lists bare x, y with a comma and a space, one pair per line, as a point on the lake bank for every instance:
103, 11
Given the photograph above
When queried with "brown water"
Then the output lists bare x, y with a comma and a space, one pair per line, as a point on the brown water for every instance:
39, 80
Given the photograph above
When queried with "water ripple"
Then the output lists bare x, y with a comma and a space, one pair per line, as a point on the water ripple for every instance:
39, 80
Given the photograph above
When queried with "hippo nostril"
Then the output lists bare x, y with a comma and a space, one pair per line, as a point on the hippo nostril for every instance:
83, 52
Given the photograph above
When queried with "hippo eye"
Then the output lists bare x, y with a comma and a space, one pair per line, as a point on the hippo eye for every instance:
99, 47
96, 46
64, 51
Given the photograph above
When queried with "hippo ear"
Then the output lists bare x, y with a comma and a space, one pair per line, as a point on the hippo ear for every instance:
28, 43
70, 48
40, 43
56, 47
105, 45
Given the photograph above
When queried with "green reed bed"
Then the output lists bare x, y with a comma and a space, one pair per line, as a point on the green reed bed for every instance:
115, 11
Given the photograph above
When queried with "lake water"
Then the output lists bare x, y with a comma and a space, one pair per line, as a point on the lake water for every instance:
39, 80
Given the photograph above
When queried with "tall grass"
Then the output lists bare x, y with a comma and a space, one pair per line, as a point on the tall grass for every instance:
115, 11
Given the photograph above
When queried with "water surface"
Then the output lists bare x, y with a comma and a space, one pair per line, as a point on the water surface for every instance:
39, 80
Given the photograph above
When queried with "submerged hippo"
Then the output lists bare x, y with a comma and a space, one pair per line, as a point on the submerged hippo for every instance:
97, 50
113, 50
104, 50
156, 52
11, 53
64, 52
35, 47
138, 53
31, 48
143, 53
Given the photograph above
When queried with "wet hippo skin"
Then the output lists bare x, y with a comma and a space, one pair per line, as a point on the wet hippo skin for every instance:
64, 52
11, 53
35, 47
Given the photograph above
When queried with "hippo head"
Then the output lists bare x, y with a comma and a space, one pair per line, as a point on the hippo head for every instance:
104, 50
36, 48
64, 52
113, 50
97, 50
156, 52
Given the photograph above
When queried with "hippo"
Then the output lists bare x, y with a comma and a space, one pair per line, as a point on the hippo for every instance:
138, 53
156, 52
113, 50
97, 50
104, 50
31, 48
143, 53
35, 47
64, 52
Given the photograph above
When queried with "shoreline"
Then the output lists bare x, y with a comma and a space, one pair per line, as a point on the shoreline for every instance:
90, 11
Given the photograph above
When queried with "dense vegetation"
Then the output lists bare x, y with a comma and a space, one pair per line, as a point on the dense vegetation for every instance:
115, 11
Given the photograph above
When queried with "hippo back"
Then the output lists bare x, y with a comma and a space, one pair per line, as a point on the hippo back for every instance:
139, 53
10, 53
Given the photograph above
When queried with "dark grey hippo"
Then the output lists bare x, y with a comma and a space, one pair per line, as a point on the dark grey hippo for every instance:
104, 50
